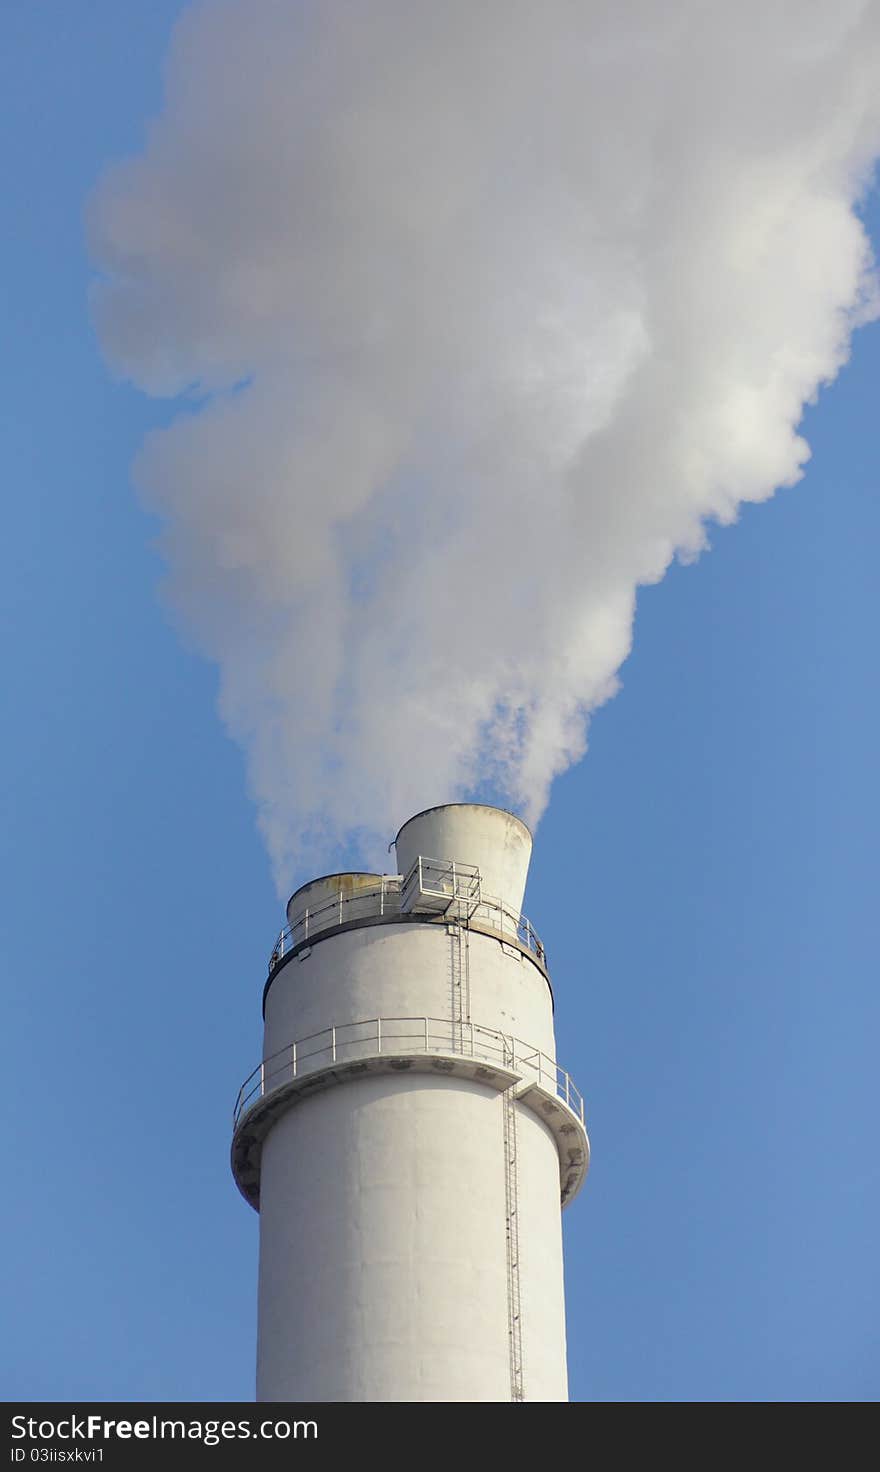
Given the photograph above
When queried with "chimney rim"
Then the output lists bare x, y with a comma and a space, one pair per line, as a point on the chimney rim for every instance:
486, 807
338, 874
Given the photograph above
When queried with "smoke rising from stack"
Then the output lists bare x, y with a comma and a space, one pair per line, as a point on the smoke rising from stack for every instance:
480, 314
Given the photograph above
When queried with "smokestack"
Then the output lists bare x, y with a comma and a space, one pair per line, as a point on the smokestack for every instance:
409, 1137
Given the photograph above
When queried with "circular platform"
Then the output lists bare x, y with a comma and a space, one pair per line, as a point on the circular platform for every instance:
536, 1094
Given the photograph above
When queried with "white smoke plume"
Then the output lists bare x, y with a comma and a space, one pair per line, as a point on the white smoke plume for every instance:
480, 312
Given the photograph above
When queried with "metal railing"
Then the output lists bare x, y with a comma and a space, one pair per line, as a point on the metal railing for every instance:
396, 896
441, 885
396, 1036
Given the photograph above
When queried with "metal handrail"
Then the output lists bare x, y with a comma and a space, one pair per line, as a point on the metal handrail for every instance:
441, 879
382, 1035
385, 899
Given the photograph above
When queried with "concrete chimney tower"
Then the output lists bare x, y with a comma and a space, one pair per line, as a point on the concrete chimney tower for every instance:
409, 1136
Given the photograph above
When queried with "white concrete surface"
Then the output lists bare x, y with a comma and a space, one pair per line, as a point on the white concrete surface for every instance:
382, 1250
406, 970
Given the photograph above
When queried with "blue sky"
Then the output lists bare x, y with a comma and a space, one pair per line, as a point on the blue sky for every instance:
703, 883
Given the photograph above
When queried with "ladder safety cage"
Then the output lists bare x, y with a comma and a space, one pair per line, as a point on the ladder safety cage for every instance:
511, 1202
